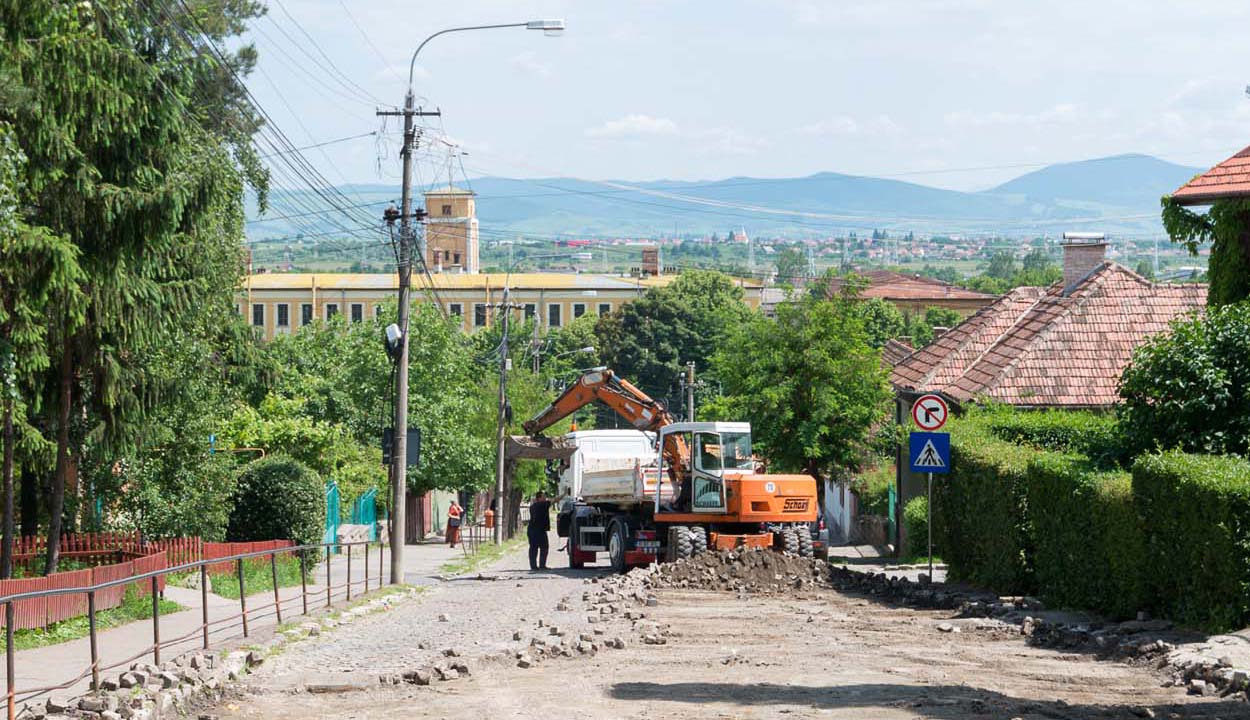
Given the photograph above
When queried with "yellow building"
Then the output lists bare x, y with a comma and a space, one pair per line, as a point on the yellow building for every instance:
451, 233
282, 303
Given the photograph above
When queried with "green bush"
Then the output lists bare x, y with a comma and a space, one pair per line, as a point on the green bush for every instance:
1086, 535
916, 520
1195, 512
278, 498
1096, 436
873, 490
979, 517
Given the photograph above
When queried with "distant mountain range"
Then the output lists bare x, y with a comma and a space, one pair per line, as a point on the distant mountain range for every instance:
1117, 194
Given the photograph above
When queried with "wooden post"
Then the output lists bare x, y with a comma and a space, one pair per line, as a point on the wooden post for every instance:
204, 601
156, 622
303, 581
273, 572
242, 595
366, 566
95, 655
327, 576
349, 571
9, 652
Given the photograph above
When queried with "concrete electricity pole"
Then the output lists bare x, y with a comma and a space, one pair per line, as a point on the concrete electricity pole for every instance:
690, 391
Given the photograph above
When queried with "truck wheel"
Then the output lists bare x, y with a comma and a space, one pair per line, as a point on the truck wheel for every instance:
572, 546
805, 541
698, 540
679, 535
616, 547
790, 541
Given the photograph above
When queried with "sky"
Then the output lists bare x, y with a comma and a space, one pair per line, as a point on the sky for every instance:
961, 94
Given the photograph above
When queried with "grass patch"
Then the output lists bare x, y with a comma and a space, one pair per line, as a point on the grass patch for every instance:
257, 577
134, 607
486, 553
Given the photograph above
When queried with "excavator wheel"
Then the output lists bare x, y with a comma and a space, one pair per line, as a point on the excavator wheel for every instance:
790, 541
679, 535
698, 540
805, 541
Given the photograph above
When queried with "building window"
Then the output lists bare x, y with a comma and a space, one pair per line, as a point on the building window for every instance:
305, 313
284, 315
238, 308
479, 315
456, 309
553, 316
446, 211
332, 309
605, 308
377, 312
579, 309
258, 315
456, 261
530, 311
358, 312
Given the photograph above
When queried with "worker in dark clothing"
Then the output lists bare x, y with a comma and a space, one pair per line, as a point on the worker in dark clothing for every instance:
540, 525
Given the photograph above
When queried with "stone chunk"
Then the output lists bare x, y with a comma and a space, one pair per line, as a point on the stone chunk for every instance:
420, 676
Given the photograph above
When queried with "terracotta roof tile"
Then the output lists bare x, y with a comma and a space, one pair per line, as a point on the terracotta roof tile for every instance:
1040, 347
1230, 178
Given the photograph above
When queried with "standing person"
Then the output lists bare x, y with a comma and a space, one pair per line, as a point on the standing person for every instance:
454, 513
540, 525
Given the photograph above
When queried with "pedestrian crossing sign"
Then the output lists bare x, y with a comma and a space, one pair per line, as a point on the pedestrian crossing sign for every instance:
930, 452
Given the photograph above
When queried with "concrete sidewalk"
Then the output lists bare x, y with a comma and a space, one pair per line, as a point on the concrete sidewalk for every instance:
180, 631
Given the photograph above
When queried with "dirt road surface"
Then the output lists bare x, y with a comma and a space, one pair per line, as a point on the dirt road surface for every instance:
809, 654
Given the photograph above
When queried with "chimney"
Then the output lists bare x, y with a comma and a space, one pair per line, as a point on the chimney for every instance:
1082, 253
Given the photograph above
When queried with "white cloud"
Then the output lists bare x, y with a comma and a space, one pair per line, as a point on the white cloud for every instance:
634, 125
844, 126
729, 141
1059, 114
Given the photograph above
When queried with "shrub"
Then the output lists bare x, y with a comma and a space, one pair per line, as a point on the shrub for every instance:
1195, 512
1086, 535
1093, 435
980, 519
873, 489
916, 520
278, 498
1185, 389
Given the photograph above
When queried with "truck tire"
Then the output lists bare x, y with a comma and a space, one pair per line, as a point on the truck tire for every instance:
698, 540
682, 546
805, 541
616, 547
790, 541
572, 547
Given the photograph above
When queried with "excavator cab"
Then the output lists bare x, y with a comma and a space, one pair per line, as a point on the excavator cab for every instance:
718, 449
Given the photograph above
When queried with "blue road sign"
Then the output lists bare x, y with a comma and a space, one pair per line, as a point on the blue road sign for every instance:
930, 452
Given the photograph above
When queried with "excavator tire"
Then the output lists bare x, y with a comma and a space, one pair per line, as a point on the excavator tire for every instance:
805, 541
698, 540
682, 546
790, 541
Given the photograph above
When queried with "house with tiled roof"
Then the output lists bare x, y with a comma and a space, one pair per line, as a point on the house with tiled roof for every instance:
914, 294
1229, 179
1064, 346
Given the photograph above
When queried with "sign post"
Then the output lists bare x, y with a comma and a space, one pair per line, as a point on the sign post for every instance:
930, 451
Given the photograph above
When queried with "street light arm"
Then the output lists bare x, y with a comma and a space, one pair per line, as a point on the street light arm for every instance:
413, 63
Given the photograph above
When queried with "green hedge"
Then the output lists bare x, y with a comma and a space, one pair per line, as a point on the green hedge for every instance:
916, 520
1196, 515
980, 518
1086, 536
1096, 436
278, 498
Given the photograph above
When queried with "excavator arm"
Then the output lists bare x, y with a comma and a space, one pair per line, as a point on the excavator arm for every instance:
625, 399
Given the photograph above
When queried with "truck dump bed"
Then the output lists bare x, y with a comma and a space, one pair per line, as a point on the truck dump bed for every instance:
612, 466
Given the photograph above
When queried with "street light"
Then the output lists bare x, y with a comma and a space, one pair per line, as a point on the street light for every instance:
399, 483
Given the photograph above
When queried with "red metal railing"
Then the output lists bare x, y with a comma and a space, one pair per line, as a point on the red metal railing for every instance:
92, 594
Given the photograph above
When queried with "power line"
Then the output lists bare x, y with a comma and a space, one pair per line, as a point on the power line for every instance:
329, 142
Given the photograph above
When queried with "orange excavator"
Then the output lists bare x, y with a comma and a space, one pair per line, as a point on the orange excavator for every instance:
696, 487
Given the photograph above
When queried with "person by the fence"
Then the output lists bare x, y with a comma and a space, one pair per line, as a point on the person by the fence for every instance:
540, 525
454, 513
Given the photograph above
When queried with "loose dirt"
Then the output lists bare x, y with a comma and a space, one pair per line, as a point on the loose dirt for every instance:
783, 649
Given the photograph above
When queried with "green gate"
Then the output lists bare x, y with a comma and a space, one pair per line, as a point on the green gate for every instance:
365, 512
333, 513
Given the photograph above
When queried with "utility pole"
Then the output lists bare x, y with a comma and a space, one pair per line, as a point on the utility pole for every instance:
690, 391
501, 431
399, 443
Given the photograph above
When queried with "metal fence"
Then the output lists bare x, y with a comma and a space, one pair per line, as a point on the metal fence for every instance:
95, 595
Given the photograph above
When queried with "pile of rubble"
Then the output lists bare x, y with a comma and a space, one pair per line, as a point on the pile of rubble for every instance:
744, 571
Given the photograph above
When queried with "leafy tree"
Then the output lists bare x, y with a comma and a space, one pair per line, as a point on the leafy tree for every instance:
1227, 227
128, 134
650, 340
882, 321
1186, 388
278, 498
1036, 260
810, 384
791, 266
1145, 268
1002, 265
